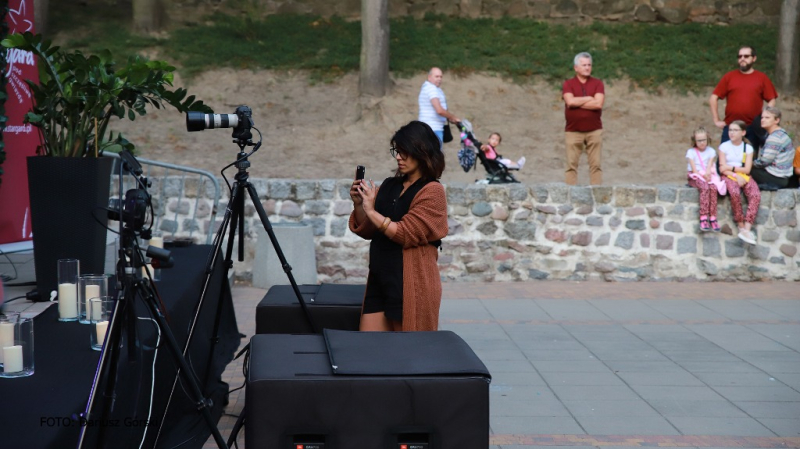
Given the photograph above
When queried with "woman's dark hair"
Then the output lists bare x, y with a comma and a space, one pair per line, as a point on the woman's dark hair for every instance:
418, 140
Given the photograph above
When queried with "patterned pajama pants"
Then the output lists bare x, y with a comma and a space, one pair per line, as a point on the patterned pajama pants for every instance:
752, 194
708, 196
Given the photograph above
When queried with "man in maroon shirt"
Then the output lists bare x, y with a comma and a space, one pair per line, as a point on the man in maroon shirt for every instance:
583, 106
746, 90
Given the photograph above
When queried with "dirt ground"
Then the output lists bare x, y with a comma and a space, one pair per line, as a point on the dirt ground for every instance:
314, 131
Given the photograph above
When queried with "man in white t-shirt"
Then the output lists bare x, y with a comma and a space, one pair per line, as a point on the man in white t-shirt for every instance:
433, 104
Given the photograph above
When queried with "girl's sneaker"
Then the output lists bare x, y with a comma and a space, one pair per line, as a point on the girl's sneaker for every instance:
714, 225
521, 162
704, 226
747, 236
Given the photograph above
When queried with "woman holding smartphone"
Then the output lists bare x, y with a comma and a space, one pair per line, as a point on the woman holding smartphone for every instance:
405, 219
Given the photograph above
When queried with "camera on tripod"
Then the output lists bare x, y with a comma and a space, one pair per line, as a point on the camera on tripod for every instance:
241, 121
133, 210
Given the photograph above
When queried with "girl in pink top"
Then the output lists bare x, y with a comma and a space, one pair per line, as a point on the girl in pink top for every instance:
489, 149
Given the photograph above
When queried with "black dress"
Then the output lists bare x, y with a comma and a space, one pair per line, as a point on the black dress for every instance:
385, 280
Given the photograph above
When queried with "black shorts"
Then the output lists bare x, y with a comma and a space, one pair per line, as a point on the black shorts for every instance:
385, 294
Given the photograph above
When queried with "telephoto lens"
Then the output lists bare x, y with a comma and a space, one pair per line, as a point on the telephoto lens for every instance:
198, 121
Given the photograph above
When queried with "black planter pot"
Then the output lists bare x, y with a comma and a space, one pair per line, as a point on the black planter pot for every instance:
66, 194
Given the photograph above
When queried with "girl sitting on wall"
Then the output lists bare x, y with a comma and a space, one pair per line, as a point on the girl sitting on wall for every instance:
735, 162
703, 176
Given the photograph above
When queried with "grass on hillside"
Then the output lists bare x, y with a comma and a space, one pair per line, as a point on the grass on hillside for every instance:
689, 57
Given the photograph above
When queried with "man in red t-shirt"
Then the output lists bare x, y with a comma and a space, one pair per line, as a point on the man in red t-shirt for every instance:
746, 91
583, 106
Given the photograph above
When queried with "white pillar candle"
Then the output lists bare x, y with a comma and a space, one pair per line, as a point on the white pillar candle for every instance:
67, 300
158, 242
95, 312
101, 327
6, 336
12, 357
91, 291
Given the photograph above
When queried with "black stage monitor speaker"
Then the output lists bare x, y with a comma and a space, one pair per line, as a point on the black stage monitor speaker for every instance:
392, 390
332, 306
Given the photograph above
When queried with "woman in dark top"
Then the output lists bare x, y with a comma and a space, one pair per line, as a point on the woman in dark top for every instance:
405, 218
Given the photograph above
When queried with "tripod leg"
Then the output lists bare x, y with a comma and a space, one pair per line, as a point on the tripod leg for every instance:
233, 213
201, 402
262, 214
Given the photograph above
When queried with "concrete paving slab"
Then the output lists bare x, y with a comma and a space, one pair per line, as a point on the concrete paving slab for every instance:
527, 425
586, 379
786, 334
720, 426
771, 409
657, 392
642, 425
783, 427
614, 408
673, 407
787, 309
644, 366
725, 379
591, 392
777, 393
572, 366
674, 378
708, 366
628, 310
512, 379
739, 309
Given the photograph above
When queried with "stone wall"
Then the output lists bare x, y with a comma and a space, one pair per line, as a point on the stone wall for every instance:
516, 232
672, 11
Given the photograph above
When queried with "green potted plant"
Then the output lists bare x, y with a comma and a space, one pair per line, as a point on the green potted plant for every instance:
75, 100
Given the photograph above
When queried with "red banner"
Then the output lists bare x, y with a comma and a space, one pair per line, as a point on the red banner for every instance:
20, 138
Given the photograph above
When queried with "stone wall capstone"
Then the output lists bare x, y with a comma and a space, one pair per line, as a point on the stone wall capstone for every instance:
517, 232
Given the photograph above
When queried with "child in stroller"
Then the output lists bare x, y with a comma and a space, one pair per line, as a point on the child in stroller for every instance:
496, 171
490, 150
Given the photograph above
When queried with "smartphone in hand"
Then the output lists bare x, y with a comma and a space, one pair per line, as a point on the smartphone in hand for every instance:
360, 170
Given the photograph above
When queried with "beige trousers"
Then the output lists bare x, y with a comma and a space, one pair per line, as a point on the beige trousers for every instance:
575, 142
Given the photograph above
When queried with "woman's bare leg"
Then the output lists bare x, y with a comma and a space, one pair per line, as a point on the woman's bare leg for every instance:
371, 322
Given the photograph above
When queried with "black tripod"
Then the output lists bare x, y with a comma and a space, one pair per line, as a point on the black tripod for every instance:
234, 216
133, 286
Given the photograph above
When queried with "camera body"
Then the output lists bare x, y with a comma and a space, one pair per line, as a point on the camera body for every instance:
241, 121
133, 211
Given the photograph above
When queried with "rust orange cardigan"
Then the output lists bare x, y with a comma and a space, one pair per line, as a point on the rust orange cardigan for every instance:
426, 221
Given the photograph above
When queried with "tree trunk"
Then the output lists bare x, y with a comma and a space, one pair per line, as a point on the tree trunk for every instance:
40, 16
786, 67
374, 76
148, 15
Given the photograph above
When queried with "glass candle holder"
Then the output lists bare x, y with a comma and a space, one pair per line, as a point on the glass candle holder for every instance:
99, 312
7, 323
68, 272
90, 286
18, 356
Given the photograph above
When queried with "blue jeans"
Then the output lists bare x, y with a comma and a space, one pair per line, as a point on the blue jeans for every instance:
440, 135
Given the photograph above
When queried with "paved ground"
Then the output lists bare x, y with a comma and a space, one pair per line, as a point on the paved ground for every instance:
594, 364
623, 364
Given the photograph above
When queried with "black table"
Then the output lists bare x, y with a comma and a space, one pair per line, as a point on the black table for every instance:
40, 411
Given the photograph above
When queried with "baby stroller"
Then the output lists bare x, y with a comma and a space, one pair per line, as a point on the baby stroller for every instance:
496, 173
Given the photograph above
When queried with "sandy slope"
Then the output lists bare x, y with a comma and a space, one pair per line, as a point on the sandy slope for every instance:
324, 130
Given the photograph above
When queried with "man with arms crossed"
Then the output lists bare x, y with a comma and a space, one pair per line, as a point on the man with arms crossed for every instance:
746, 91
583, 105
433, 104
